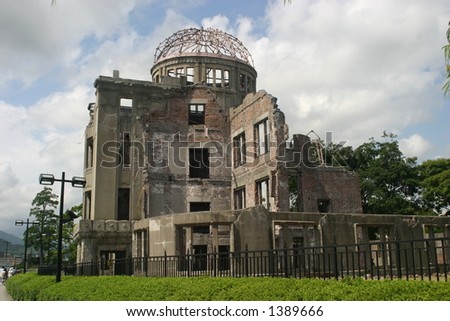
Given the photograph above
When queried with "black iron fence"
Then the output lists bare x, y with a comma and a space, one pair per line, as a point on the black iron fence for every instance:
415, 259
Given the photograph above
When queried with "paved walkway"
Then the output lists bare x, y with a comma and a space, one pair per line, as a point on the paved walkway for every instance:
4, 296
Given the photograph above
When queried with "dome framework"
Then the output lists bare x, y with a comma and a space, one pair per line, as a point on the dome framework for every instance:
200, 42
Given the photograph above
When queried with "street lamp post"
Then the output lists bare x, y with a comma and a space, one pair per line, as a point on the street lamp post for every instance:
49, 179
27, 223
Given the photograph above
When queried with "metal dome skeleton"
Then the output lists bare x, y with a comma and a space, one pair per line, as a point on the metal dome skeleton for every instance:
202, 42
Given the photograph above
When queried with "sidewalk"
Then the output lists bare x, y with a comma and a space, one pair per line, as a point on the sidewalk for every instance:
4, 296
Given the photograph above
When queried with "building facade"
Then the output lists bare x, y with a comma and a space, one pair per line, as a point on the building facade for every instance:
179, 164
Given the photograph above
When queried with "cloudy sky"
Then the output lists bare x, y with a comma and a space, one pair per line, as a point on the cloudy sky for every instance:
353, 68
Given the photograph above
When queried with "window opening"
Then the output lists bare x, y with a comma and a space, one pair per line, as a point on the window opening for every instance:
239, 198
239, 150
323, 205
87, 205
262, 137
196, 114
262, 193
126, 102
190, 75
199, 163
200, 261
209, 76
218, 78
200, 229
123, 204
226, 78
179, 72
125, 148
293, 193
89, 152
224, 257
199, 206
242, 81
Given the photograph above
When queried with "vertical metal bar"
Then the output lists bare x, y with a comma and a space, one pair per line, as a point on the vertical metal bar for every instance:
428, 260
246, 260
399, 261
436, 263
444, 259
336, 269
60, 229
165, 263
413, 258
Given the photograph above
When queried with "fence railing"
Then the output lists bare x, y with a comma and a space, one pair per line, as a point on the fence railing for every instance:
415, 259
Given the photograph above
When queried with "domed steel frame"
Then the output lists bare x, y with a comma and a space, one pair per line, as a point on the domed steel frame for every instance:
202, 42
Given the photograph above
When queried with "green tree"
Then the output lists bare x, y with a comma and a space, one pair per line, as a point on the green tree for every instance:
43, 237
389, 180
435, 184
69, 250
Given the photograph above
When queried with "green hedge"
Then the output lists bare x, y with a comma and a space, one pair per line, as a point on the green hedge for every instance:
127, 288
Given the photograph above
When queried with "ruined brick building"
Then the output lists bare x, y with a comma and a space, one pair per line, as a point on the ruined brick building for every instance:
199, 160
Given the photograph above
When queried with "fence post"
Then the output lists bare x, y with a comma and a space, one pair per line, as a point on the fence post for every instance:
188, 263
145, 265
285, 261
246, 260
336, 269
399, 260
436, 262
214, 263
165, 263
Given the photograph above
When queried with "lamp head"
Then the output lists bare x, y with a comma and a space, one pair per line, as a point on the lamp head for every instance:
46, 179
78, 181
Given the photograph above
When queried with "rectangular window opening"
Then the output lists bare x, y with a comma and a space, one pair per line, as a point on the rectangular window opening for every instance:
209, 76
239, 150
196, 114
123, 204
126, 102
87, 205
293, 193
200, 229
89, 161
262, 193
262, 135
199, 206
239, 198
226, 78
179, 72
190, 75
323, 205
125, 149
218, 78
199, 163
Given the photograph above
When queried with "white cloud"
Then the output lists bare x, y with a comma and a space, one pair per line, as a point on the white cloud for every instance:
37, 37
414, 146
353, 67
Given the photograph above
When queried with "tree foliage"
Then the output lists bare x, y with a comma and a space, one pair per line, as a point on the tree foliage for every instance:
392, 183
43, 237
435, 184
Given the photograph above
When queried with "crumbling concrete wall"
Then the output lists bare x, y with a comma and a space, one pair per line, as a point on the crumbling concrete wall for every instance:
256, 108
256, 228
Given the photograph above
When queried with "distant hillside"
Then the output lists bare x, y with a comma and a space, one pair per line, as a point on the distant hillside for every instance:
10, 238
